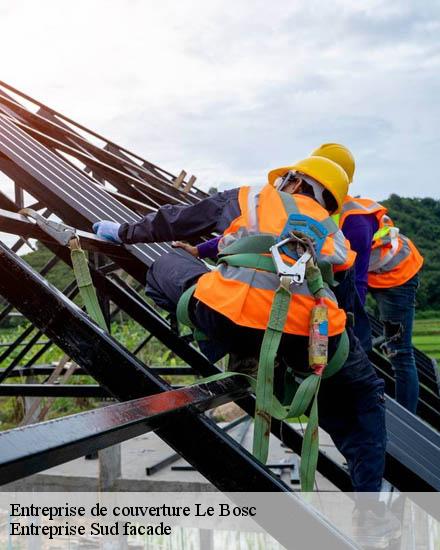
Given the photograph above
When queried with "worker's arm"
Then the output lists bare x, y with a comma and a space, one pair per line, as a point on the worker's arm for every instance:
207, 249
359, 230
172, 222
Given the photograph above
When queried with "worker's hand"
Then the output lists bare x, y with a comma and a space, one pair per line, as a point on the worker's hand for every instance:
188, 247
107, 230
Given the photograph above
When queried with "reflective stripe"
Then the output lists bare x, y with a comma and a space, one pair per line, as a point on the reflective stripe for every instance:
265, 280
330, 225
354, 205
389, 262
361, 207
289, 203
401, 255
340, 255
253, 200
377, 261
256, 279
291, 207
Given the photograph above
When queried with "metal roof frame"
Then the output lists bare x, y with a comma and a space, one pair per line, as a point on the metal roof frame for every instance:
79, 197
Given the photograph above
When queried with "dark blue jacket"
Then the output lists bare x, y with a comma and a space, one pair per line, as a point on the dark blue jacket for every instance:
173, 222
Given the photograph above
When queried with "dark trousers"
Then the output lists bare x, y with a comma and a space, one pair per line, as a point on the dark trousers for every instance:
349, 300
397, 309
351, 403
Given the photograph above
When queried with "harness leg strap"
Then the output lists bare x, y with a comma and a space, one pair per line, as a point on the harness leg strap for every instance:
265, 376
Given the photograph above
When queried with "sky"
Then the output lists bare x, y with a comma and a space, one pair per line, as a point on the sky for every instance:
229, 90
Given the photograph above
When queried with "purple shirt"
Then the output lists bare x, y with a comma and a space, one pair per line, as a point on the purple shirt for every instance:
359, 229
209, 249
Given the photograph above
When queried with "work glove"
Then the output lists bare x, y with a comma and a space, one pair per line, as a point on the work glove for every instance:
107, 230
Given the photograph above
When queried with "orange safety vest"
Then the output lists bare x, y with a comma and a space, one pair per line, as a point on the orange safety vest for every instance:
394, 258
245, 295
353, 206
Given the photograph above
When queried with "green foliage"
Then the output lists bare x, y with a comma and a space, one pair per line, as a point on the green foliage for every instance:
419, 219
128, 333
60, 275
426, 336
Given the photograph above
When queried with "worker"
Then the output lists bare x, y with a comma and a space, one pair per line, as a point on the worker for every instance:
231, 304
358, 221
393, 280
388, 264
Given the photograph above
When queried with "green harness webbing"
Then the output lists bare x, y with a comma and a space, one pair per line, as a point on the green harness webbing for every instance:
182, 314
85, 283
66, 236
267, 405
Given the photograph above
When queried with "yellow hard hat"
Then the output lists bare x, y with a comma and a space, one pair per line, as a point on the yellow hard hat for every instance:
326, 172
337, 153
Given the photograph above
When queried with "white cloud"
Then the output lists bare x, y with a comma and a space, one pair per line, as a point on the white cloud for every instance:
228, 90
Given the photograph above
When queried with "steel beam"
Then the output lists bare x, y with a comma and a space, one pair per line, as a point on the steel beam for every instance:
54, 124
229, 467
174, 457
53, 390
16, 224
37, 447
215, 455
414, 450
428, 407
128, 300
47, 370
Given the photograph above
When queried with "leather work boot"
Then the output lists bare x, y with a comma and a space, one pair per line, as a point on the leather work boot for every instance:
375, 528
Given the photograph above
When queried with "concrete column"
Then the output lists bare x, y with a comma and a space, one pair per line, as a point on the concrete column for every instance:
34, 542
206, 537
110, 467
30, 401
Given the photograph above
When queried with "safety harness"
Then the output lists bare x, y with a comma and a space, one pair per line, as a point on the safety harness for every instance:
301, 240
66, 236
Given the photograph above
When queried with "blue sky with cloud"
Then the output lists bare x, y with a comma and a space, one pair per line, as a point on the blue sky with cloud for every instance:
228, 90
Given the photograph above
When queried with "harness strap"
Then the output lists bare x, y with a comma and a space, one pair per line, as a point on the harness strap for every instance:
66, 236
265, 263
264, 387
85, 283
267, 405
182, 311
254, 261
254, 244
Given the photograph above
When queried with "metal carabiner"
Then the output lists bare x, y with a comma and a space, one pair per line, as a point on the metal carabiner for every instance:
296, 272
62, 233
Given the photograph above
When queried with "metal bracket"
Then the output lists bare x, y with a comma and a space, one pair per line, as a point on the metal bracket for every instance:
61, 232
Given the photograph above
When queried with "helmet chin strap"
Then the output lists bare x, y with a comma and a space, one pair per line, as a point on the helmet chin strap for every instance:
318, 189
